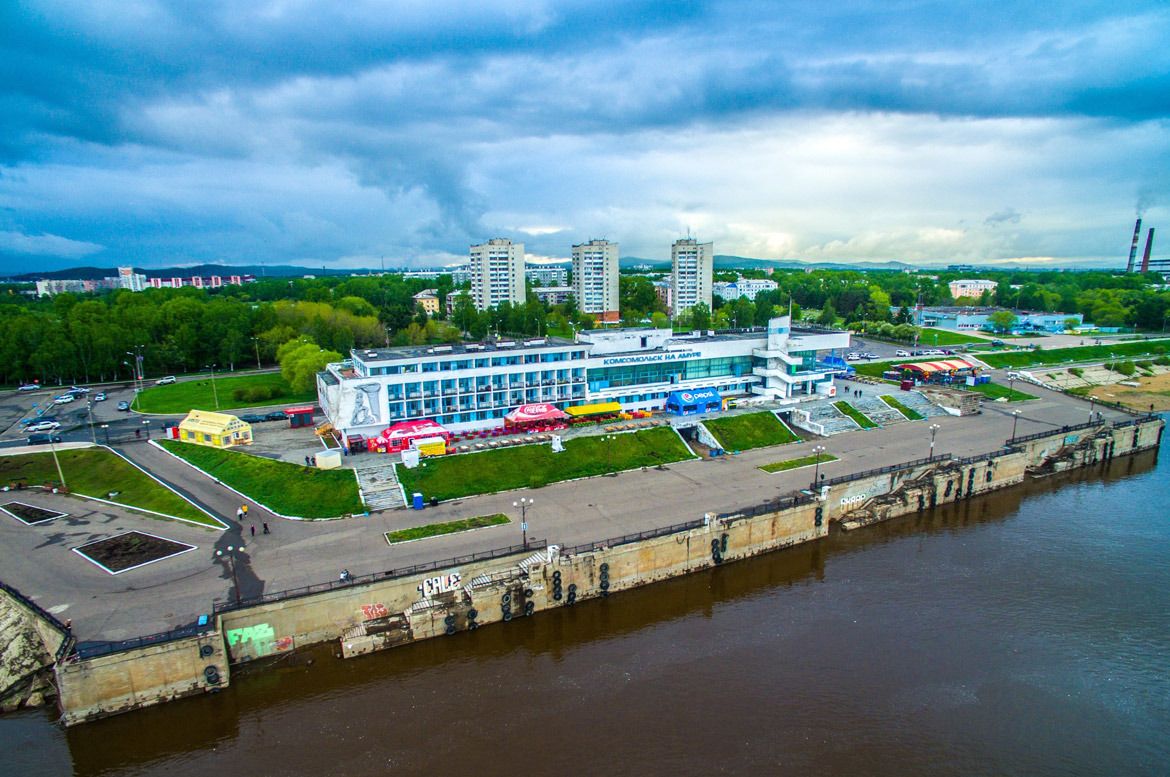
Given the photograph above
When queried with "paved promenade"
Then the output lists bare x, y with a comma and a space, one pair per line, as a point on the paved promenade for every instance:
38, 559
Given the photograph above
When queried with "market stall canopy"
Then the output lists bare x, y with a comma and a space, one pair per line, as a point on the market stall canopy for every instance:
411, 429
540, 411
584, 410
697, 401
948, 365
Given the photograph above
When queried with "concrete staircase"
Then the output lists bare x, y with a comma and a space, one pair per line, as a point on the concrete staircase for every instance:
915, 401
378, 481
877, 411
834, 421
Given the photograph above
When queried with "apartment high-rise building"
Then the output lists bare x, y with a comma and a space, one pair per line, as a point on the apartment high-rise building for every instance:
497, 273
692, 264
595, 279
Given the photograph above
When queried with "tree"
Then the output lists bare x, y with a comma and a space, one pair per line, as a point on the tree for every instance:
828, 316
700, 316
659, 320
301, 360
1070, 324
1002, 320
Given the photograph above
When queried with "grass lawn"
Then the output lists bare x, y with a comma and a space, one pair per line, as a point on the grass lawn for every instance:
533, 466
197, 394
1081, 353
289, 489
745, 432
913, 415
855, 414
997, 390
803, 461
97, 472
929, 338
451, 527
874, 369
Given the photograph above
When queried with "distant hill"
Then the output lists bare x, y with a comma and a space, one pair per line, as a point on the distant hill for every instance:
204, 270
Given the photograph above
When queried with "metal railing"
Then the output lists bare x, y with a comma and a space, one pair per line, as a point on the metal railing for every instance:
985, 456
293, 593
1061, 430
625, 539
786, 501
884, 470
84, 650
36, 608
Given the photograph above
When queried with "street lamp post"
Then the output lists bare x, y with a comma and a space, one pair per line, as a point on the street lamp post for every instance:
609, 451
231, 555
106, 429
524, 504
1015, 417
933, 430
146, 424
1011, 385
89, 411
817, 451
53, 448
256, 342
214, 393
1092, 401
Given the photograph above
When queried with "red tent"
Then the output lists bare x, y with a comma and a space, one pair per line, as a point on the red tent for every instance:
535, 413
398, 437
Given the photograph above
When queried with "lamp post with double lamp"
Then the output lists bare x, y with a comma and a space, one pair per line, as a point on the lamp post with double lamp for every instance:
1011, 384
817, 451
608, 439
933, 430
214, 393
524, 504
146, 425
106, 429
136, 368
231, 555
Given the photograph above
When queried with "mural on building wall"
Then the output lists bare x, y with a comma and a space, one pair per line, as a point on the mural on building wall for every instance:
366, 408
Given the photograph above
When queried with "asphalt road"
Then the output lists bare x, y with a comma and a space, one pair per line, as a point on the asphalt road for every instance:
38, 559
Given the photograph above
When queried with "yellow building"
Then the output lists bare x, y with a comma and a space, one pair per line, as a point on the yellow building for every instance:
218, 430
428, 300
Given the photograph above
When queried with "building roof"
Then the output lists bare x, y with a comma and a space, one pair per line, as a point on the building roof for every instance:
946, 365
603, 407
212, 423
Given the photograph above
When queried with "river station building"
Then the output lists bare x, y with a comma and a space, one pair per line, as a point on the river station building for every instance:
475, 385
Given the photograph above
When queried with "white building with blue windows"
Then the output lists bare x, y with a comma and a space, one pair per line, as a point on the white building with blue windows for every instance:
474, 385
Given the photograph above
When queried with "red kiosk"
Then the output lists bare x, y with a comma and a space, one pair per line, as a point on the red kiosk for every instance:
540, 416
398, 437
299, 416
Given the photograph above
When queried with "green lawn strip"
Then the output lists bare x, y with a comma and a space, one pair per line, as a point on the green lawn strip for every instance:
451, 527
996, 390
913, 415
803, 461
96, 472
284, 488
928, 338
753, 430
1081, 353
874, 369
198, 395
855, 414
533, 466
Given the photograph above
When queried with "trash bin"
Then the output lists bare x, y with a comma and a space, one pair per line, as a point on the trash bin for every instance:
417, 501
434, 501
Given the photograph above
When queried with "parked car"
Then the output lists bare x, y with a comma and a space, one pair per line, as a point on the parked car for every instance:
165, 381
64, 399
77, 390
253, 418
275, 415
99, 397
869, 356
123, 405
901, 352
852, 357
43, 439
998, 343
44, 426
27, 387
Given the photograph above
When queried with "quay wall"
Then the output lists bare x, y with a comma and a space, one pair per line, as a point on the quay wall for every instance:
386, 612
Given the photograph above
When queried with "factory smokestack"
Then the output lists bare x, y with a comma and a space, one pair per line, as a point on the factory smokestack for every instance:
1137, 233
1146, 255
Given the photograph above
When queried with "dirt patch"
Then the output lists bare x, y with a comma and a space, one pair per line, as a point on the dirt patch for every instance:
1153, 391
129, 550
30, 514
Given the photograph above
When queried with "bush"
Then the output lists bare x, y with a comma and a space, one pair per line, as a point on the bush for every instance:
1162, 361
1076, 371
257, 393
1125, 368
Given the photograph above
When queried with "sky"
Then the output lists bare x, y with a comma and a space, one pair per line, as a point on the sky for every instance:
346, 135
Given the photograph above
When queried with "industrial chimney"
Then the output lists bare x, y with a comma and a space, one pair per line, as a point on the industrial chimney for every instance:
1137, 233
1146, 255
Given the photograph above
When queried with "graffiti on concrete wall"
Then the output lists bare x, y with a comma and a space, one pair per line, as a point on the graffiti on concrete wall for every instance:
372, 611
259, 640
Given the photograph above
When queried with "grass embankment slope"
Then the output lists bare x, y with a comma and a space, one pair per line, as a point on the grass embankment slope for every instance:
288, 489
912, 415
256, 390
96, 472
997, 390
1075, 354
533, 466
753, 430
803, 461
450, 527
861, 419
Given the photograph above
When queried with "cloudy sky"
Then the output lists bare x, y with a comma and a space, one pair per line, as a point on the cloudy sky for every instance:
337, 133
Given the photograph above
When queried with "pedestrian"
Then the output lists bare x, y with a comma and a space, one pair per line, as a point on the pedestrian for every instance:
266, 528
240, 514
307, 463
253, 530
245, 509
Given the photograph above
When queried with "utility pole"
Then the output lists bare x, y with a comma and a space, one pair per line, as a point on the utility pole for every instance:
89, 410
214, 393
256, 342
60, 474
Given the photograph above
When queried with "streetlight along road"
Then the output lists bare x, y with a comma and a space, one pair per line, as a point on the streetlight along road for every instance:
524, 504
933, 429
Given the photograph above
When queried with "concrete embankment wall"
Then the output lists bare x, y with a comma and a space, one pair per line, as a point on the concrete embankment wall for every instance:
389, 612
131, 679
29, 641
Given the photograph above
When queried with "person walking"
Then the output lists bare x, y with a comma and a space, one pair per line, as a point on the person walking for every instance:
253, 530
266, 528
240, 514
245, 509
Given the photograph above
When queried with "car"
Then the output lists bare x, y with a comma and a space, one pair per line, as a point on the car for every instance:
27, 387
43, 439
868, 355
275, 415
852, 357
44, 426
99, 397
998, 343
901, 352
77, 390
123, 405
253, 418
64, 399
165, 381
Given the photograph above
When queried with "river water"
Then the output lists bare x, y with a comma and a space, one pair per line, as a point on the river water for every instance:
1026, 632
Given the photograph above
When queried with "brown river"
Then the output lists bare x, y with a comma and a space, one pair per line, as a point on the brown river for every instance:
1026, 632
